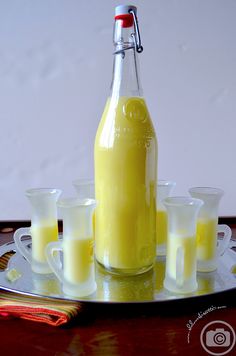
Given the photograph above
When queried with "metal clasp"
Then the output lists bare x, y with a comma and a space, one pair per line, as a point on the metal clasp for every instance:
136, 35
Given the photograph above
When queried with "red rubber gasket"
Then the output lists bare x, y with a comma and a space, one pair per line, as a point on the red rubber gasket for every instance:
127, 20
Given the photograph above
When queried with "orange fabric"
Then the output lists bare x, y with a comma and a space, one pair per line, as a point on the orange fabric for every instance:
49, 311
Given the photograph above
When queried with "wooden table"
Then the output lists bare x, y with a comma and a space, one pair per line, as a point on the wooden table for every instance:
137, 329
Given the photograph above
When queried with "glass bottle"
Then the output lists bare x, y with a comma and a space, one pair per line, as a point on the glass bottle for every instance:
125, 154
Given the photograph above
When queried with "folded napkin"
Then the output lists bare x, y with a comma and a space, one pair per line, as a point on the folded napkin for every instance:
52, 312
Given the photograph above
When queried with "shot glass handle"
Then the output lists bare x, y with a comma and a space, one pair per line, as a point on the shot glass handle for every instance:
223, 245
52, 261
19, 233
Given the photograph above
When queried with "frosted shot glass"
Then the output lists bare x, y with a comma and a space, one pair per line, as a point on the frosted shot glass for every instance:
206, 283
208, 248
164, 190
77, 272
180, 274
85, 189
44, 227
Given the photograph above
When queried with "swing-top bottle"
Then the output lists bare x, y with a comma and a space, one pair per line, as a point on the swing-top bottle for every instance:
125, 154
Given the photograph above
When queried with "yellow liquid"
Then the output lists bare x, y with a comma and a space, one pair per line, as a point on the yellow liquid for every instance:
188, 244
41, 236
78, 258
125, 181
161, 227
206, 239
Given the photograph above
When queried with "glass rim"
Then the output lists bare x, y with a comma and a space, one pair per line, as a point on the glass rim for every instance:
182, 201
210, 191
42, 191
163, 182
73, 202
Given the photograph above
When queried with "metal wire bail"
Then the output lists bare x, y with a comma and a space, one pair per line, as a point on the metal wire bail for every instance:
136, 35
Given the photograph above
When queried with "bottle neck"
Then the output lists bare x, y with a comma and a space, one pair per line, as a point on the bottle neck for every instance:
125, 80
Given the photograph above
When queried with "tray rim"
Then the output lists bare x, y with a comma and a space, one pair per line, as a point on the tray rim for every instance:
58, 299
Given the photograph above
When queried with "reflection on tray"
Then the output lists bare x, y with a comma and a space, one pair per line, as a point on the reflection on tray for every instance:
45, 286
124, 289
111, 288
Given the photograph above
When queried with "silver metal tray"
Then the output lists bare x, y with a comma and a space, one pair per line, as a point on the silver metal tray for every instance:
144, 288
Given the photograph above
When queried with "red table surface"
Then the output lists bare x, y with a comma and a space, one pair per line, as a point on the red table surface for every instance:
135, 329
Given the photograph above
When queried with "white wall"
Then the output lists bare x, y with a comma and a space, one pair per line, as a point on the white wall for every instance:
55, 72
